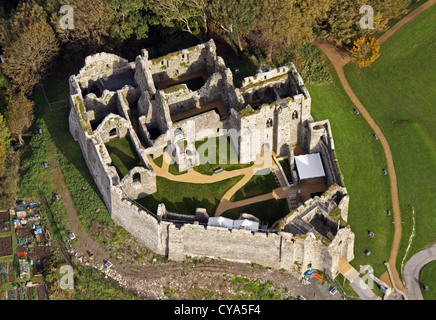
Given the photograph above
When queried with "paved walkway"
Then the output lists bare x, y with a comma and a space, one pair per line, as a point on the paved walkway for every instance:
359, 286
339, 59
278, 193
412, 271
197, 177
225, 203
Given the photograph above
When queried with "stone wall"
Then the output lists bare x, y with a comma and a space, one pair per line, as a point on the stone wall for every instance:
139, 182
261, 77
185, 61
101, 65
274, 125
276, 250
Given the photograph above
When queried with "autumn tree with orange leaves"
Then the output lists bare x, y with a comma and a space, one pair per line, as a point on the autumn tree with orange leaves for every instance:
365, 51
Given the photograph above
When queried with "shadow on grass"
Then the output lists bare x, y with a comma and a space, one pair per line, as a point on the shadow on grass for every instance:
187, 206
86, 196
268, 212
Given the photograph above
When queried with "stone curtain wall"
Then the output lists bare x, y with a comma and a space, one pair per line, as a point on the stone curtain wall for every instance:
276, 250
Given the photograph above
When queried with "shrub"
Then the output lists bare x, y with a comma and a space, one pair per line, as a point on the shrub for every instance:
311, 65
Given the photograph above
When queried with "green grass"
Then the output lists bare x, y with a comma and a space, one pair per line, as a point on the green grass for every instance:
428, 278
123, 155
56, 90
86, 196
399, 92
225, 157
174, 88
245, 66
361, 160
184, 198
158, 161
268, 212
258, 185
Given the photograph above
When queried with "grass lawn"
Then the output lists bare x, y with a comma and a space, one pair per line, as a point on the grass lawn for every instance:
184, 198
158, 161
225, 156
428, 278
245, 67
399, 92
361, 160
258, 185
123, 155
267, 212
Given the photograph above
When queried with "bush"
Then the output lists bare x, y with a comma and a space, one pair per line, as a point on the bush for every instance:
311, 65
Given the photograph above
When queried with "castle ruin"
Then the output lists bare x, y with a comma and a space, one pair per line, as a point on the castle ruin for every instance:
187, 96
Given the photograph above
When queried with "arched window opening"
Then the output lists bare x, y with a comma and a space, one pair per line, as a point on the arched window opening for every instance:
137, 177
113, 133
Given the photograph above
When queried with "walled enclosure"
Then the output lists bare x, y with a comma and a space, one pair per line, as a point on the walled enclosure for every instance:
150, 101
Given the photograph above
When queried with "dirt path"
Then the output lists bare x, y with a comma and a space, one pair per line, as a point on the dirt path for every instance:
339, 59
406, 20
74, 224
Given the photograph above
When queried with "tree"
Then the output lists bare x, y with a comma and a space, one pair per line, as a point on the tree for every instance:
9, 179
235, 17
389, 9
92, 25
27, 12
19, 116
282, 25
365, 51
186, 12
5, 144
341, 22
29, 57
29, 45
130, 18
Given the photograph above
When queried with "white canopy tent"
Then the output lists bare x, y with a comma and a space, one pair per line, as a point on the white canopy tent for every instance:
233, 224
247, 224
309, 166
220, 222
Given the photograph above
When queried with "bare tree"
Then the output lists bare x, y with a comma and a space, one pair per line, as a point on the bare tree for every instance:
181, 10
